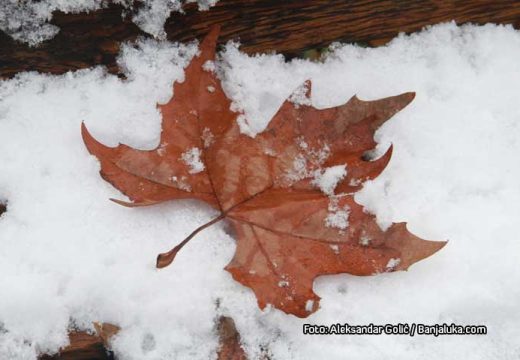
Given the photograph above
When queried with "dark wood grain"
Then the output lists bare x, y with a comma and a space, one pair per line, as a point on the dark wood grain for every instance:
85, 40
288, 27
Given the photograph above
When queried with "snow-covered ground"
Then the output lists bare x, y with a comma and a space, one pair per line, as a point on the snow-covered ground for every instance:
69, 257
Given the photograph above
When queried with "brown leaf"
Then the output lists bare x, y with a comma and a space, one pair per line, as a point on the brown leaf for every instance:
265, 186
229, 340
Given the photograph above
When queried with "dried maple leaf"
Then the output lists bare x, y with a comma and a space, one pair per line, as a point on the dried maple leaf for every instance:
288, 231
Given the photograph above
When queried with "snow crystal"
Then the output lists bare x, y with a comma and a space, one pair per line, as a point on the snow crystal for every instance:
161, 150
302, 143
207, 137
307, 163
316, 156
191, 157
309, 305
338, 219
204, 5
299, 169
270, 152
327, 179
68, 257
211, 89
27, 21
243, 124
153, 14
283, 283
392, 263
209, 66
364, 239
355, 182
299, 96
181, 183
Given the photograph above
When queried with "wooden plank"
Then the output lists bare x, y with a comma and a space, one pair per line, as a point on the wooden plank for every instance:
288, 27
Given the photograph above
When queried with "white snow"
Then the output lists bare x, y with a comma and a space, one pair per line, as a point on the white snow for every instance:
335, 248
181, 182
307, 164
338, 219
209, 66
191, 157
309, 305
327, 179
299, 169
69, 257
152, 14
364, 239
299, 96
207, 137
28, 20
392, 263
283, 283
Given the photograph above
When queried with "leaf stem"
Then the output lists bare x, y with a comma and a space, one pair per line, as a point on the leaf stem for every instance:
167, 258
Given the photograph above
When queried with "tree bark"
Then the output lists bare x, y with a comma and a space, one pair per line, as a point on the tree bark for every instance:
288, 27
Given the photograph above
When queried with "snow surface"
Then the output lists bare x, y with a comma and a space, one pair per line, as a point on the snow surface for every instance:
69, 257
327, 179
28, 20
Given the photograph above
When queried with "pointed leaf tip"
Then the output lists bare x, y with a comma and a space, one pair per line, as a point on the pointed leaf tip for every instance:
134, 204
122, 203
409, 96
94, 147
413, 248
